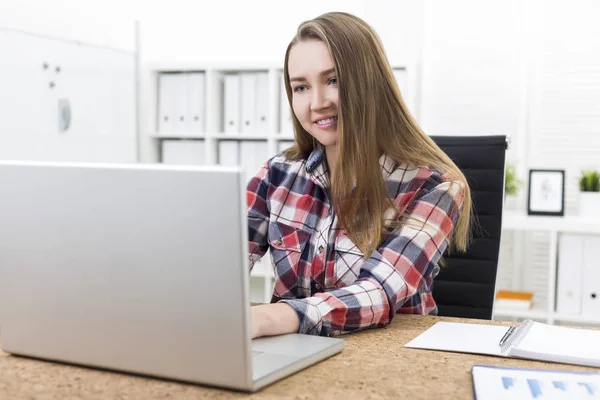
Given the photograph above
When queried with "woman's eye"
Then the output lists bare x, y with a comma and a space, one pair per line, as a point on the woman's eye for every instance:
333, 81
299, 89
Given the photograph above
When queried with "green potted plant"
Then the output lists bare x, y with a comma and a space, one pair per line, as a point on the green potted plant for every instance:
511, 182
589, 196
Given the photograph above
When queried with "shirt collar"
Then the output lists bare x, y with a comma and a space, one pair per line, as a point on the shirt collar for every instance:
388, 166
315, 159
316, 167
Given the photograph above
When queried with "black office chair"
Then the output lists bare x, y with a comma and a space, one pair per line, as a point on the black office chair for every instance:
465, 285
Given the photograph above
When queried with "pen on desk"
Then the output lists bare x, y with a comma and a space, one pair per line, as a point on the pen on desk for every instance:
506, 335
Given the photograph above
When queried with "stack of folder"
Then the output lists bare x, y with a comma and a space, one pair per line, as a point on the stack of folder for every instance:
512, 300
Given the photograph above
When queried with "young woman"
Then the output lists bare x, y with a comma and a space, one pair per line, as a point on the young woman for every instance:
358, 212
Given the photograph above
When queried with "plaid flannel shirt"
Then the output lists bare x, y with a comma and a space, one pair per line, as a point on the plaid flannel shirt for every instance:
320, 273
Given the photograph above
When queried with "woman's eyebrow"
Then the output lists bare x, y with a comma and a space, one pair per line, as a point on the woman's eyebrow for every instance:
322, 73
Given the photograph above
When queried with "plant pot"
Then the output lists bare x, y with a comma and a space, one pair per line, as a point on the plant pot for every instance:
589, 204
510, 202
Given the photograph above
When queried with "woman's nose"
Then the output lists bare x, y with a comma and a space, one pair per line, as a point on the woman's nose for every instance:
318, 100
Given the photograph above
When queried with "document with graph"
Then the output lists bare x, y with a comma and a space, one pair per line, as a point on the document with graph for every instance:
500, 383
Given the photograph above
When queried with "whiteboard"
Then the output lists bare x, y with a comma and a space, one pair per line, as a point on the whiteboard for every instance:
97, 85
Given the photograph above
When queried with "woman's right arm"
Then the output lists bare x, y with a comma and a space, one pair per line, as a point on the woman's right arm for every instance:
258, 214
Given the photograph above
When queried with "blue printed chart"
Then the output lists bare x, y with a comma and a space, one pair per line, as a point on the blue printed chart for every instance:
508, 383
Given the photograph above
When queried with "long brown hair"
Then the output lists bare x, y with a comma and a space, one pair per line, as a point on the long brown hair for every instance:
372, 120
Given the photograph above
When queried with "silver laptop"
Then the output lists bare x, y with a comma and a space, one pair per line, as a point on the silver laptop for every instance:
137, 268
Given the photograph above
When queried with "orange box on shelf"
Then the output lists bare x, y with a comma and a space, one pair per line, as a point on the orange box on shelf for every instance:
512, 300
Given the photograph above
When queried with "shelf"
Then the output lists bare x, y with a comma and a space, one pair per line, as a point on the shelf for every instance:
238, 136
179, 136
571, 224
584, 319
533, 314
285, 136
222, 136
213, 66
541, 314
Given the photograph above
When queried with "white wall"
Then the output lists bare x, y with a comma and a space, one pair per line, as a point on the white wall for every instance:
177, 30
106, 23
97, 82
206, 31
400, 26
230, 31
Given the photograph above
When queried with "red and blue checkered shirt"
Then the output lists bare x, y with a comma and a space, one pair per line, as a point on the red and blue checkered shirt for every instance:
320, 273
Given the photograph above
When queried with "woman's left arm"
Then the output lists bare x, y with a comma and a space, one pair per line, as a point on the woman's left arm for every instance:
394, 273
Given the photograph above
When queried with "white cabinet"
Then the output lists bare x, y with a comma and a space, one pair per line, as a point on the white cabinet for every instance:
578, 278
573, 271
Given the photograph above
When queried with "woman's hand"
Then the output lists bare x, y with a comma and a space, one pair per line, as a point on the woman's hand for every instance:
274, 319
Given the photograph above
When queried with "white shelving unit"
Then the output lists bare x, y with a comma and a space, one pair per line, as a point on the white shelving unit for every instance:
213, 130
555, 226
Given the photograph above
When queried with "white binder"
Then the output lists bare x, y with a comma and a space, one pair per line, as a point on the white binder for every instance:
248, 83
183, 152
195, 102
181, 103
404, 85
166, 106
285, 116
569, 279
284, 144
591, 276
262, 103
402, 79
253, 155
231, 104
229, 153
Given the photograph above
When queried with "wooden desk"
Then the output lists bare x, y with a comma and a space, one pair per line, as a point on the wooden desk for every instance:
374, 364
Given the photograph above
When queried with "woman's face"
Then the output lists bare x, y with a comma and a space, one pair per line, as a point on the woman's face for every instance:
314, 90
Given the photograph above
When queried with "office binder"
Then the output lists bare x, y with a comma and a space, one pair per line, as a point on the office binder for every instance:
402, 79
569, 280
529, 340
183, 152
285, 116
253, 155
248, 95
229, 153
231, 104
591, 277
262, 103
180, 101
284, 144
166, 106
195, 102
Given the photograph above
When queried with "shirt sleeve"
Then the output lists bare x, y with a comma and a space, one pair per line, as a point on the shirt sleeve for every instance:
258, 215
395, 272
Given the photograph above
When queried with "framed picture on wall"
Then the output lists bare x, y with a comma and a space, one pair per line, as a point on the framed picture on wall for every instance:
546, 192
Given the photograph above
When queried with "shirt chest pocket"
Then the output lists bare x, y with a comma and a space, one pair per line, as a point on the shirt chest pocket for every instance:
286, 246
348, 261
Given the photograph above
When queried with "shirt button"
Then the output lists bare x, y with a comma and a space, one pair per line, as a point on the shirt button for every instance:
317, 286
278, 242
321, 248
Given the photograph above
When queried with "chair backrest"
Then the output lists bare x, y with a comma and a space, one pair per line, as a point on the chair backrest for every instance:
465, 286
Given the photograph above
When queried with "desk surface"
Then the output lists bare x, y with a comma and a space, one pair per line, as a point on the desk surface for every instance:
374, 364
